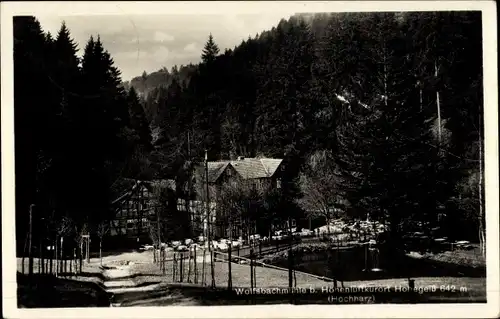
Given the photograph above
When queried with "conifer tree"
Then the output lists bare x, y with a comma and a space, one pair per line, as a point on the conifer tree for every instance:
138, 121
210, 51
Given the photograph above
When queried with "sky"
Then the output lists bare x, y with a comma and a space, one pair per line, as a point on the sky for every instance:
140, 43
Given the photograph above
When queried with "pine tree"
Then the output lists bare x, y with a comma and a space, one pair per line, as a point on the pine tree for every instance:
210, 51
30, 48
101, 131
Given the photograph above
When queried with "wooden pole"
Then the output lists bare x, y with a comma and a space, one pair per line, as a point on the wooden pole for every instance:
251, 270
30, 246
209, 222
24, 253
181, 271
174, 266
189, 266
41, 265
195, 267
203, 276
88, 249
255, 274
61, 256
65, 255
164, 261
230, 279
290, 272
158, 230
56, 259
51, 257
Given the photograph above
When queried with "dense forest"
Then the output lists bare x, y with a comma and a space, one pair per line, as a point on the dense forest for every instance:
376, 114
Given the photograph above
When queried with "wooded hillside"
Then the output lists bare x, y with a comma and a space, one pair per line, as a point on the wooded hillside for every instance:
374, 113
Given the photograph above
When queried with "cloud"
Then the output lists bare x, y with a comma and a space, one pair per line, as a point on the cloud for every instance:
163, 37
161, 54
192, 47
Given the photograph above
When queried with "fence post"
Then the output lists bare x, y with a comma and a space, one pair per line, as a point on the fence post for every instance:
260, 248
159, 260
174, 266
41, 266
181, 271
56, 259
255, 274
51, 254
251, 270
290, 275
203, 277
195, 266
30, 256
189, 266
164, 261
230, 279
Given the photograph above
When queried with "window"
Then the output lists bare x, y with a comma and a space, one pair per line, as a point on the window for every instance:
278, 183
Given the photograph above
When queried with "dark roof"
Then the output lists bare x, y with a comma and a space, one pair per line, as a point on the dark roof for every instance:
162, 184
154, 184
247, 168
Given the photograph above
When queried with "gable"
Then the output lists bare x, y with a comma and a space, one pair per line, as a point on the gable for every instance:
250, 168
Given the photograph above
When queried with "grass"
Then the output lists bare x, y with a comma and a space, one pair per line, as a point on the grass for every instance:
471, 258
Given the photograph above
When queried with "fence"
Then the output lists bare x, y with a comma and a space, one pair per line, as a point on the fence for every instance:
231, 270
50, 262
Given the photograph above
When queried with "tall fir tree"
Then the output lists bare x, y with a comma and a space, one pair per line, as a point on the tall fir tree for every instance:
210, 51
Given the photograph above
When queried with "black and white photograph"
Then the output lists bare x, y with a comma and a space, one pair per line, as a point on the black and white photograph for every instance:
291, 155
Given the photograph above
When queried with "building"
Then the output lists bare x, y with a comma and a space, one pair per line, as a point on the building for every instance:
138, 208
263, 173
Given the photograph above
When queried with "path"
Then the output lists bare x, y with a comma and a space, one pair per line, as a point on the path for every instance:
118, 281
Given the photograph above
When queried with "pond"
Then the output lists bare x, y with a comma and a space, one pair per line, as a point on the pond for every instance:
350, 264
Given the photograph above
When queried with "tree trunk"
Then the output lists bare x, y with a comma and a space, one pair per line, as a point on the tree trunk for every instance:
41, 265
81, 259
61, 256
438, 104
30, 256
56, 259
51, 257
158, 232
290, 256
24, 252
100, 250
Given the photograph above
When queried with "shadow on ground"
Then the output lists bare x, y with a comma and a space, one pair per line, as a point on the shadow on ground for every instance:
44, 291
